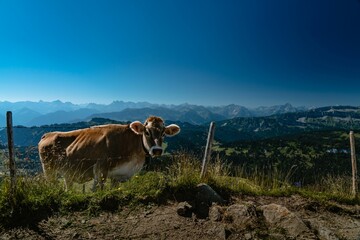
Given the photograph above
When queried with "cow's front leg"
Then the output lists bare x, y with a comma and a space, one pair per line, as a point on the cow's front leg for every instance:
102, 180
100, 176
67, 184
114, 183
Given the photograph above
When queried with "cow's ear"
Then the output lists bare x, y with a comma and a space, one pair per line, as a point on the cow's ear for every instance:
172, 130
137, 127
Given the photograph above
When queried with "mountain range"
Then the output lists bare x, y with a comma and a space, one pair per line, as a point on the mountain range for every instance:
193, 136
40, 113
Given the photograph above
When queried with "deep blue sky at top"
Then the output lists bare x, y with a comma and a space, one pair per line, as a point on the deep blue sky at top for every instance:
247, 52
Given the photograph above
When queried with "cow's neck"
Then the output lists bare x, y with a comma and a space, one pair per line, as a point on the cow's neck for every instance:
147, 154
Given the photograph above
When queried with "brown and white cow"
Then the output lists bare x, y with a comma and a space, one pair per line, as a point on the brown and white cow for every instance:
115, 151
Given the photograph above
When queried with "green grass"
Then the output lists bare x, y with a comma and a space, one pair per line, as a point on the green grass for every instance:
175, 179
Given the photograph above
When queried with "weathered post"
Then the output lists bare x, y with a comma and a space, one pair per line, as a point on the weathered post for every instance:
11, 150
207, 154
354, 165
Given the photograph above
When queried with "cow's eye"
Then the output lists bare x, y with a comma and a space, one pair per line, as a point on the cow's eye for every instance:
147, 133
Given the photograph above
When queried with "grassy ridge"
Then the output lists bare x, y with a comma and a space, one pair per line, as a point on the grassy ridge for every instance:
34, 199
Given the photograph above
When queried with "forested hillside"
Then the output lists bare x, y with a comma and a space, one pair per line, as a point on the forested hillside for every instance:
304, 145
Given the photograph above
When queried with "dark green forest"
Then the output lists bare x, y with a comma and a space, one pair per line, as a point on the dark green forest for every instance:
305, 158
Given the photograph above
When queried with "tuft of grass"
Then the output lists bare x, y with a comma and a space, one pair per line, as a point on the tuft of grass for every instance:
335, 188
148, 186
74, 201
336, 185
184, 172
34, 199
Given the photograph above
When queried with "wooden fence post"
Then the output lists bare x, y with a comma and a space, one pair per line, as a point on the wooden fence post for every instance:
207, 154
11, 150
354, 165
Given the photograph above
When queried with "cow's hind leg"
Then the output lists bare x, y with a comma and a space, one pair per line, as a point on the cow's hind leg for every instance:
49, 173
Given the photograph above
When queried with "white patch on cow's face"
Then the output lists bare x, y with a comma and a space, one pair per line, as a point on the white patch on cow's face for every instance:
126, 170
154, 131
153, 137
137, 127
172, 130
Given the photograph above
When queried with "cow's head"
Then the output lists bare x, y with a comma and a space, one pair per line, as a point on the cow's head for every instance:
153, 132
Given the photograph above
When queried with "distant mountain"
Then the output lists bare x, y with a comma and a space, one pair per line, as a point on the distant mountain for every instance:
232, 111
39, 113
116, 106
194, 114
2, 120
131, 114
275, 110
40, 107
61, 117
23, 115
327, 118
193, 136
28, 113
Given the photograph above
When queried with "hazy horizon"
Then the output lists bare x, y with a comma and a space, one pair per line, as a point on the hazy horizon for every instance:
209, 53
170, 104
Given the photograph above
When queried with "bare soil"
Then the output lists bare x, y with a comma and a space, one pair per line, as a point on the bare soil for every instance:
324, 221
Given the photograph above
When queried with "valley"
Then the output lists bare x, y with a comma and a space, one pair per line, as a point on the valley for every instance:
305, 145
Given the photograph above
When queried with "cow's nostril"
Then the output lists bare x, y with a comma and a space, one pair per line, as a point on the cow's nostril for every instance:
156, 151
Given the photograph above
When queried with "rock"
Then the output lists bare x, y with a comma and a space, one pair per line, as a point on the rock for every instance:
184, 209
204, 198
215, 213
278, 216
322, 231
204, 193
218, 232
248, 236
241, 216
201, 210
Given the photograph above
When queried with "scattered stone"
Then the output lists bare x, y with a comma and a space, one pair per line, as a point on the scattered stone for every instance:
218, 232
248, 236
184, 209
278, 216
201, 210
322, 231
204, 193
241, 216
204, 198
215, 213
75, 235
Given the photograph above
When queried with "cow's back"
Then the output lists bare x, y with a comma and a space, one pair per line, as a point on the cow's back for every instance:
54, 144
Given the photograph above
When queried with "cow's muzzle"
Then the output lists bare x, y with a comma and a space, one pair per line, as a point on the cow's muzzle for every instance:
156, 151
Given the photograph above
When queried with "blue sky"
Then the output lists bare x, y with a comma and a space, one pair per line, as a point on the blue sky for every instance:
247, 52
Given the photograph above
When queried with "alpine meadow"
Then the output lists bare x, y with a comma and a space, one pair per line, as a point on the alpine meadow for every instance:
199, 119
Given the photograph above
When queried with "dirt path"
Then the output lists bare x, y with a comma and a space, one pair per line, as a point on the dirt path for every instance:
247, 218
147, 223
